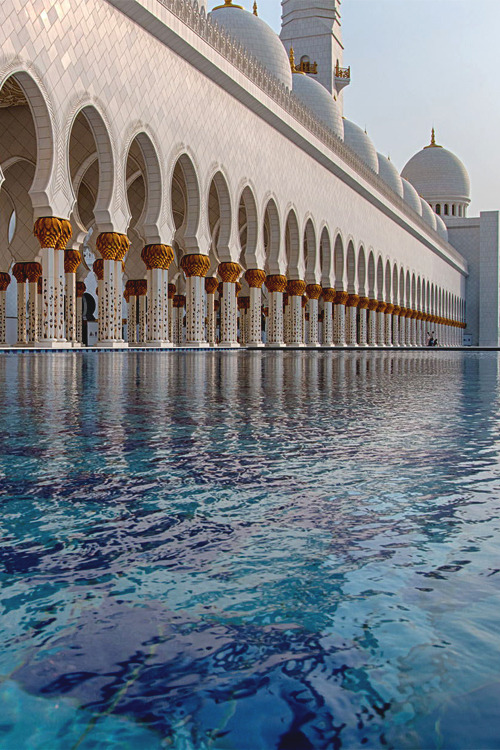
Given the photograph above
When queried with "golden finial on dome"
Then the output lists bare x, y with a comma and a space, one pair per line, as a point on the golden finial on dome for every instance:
228, 4
255, 8
292, 59
433, 143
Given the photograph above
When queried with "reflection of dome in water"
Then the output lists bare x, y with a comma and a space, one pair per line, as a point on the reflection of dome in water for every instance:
257, 37
356, 138
319, 101
390, 175
438, 175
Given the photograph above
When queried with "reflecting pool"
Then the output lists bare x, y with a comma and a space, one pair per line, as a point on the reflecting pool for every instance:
249, 551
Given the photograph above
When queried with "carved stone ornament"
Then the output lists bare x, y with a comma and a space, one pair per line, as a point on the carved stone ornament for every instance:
157, 256
211, 284
381, 307
363, 303
171, 291
229, 272
195, 265
353, 300
341, 298
123, 249
373, 304
255, 278
65, 235
98, 268
109, 244
141, 287
329, 294
296, 288
389, 309
19, 273
402, 312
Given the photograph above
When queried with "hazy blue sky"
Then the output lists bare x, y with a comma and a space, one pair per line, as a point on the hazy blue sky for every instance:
418, 63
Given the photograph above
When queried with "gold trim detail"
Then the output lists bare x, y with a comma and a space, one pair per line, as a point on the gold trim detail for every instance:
276, 283
296, 288
72, 260
195, 265
255, 278
229, 272
313, 291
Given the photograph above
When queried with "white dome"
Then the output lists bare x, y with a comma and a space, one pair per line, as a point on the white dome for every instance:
390, 174
438, 175
428, 214
358, 140
258, 38
319, 101
411, 196
441, 228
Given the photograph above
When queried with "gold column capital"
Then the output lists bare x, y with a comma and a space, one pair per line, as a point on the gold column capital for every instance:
19, 273
65, 235
363, 303
157, 256
211, 284
389, 309
123, 248
353, 300
296, 288
33, 272
341, 298
47, 230
255, 278
98, 268
109, 244
80, 289
171, 291
328, 294
72, 260
276, 283
381, 307
313, 291
4, 281
195, 265
229, 272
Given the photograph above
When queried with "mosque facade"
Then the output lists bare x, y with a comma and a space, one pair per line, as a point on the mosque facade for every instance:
171, 176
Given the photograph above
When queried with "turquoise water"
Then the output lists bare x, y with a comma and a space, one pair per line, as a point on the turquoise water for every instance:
249, 551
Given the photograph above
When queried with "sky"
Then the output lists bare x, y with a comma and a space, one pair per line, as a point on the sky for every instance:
416, 64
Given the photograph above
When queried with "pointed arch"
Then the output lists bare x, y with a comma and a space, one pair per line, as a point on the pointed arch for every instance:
248, 229
326, 259
351, 268
311, 254
272, 238
338, 262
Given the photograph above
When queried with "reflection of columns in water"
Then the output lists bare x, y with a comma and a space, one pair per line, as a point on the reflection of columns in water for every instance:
314, 293
339, 318
19, 273
72, 260
229, 273
4, 283
255, 279
351, 320
295, 289
195, 267
112, 370
33, 273
211, 285
276, 285
389, 309
80, 291
328, 300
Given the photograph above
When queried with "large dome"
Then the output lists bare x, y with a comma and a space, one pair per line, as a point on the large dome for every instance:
319, 101
390, 174
438, 175
258, 38
358, 140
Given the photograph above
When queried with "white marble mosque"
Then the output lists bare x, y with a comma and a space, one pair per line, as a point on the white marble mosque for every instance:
174, 176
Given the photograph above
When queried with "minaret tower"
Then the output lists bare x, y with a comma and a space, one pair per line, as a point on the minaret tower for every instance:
312, 28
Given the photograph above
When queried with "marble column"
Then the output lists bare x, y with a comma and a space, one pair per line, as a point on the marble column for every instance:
4, 283
141, 291
171, 294
179, 304
131, 300
229, 273
59, 271
195, 267
276, 285
409, 313
351, 320
118, 283
80, 291
244, 307
255, 279
19, 273
211, 285
48, 231
380, 323
395, 325
389, 309
402, 326
111, 245
295, 289
339, 318
98, 269
72, 260
33, 274
157, 259
328, 300
363, 332
40, 308
372, 322
313, 292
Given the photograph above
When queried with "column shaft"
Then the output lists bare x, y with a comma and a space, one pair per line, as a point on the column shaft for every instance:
327, 323
228, 315
21, 314
3, 319
71, 333
275, 320
33, 311
339, 325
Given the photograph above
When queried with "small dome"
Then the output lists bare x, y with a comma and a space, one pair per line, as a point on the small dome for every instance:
258, 38
319, 101
441, 228
411, 196
438, 175
390, 174
428, 214
357, 139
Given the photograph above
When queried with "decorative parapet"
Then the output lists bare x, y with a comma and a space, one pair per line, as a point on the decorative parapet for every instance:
234, 52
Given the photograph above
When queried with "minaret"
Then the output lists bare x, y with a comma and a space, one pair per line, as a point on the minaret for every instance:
313, 28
